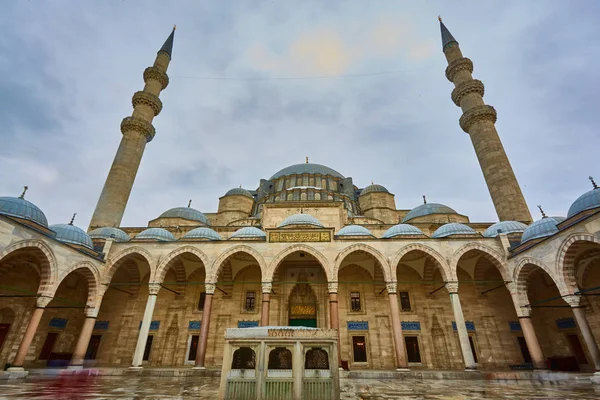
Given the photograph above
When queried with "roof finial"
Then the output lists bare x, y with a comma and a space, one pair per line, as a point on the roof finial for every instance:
240, 185
542, 211
72, 219
372, 183
167, 47
22, 196
591, 178
189, 203
307, 160
439, 18
174, 27
424, 200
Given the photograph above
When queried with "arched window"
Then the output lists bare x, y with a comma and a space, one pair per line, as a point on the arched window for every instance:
244, 358
316, 359
280, 358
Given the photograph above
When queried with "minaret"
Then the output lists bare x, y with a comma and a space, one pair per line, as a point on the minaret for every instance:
137, 131
478, 121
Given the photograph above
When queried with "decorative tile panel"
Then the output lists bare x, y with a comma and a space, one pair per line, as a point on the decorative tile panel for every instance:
469, 324
101, 326
515, 326
59, 323
566, 323
194, 325
247, 324
411, 325
154, 325
358, 325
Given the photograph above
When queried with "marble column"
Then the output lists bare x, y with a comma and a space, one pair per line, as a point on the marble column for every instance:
266, 303
84, 338
463, 336
584, 327
334, 316
209, 289
34, 322
401, 362
533, 345
153, 289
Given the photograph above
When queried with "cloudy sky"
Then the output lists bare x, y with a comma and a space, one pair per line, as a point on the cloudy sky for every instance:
368, 98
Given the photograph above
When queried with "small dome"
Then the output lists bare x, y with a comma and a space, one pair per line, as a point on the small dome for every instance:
21, 208
586, 201
188, 213
402, 230
453, 229
307, 168
239, 192
249, 232
68, 233
354, 230
202, 233
109, 233
373, 188
541, 228
160, 234
504, 227
300, 219
427, 209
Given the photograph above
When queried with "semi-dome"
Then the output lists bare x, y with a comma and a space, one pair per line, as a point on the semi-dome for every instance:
354, 230
300, 219
160, 234
541, 228
109, 233
504, 227
402, 230
18, 207
374, 188
188, 213
249, 232
586, 201
307, 168
453, 229
427, 209
239, 192
68, 233
202, 233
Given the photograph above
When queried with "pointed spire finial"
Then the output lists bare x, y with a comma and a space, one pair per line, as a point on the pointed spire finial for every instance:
189, 203
174, 27
167, 47
307, 160
591, 178
424, 200
22, 196
447, 38
72, 219
440, 18
542, 211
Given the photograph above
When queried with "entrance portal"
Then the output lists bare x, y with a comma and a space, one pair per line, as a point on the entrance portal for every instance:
303, 306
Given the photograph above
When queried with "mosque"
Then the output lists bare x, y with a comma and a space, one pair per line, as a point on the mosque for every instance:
416, 287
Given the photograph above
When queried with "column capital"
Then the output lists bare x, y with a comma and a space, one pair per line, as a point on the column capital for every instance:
524, 312
267, 287
392, 287
91, 312
153, 288
42, 301
332, 287
209, 288
452, 287
574, 300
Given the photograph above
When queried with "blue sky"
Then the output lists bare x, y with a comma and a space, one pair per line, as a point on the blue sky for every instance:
70, 68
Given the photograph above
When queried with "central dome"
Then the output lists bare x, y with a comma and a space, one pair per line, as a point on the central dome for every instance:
307, 168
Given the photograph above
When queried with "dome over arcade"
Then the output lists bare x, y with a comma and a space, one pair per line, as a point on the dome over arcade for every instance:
354, 230
109, 233
160, 234
300, 219
18, 207
307, 168
69, 233
427, 209
541, 228
504, 227
239, 192
374, 188
202, 233
586, 201
402, 230
249, 232
453, 229
191, 214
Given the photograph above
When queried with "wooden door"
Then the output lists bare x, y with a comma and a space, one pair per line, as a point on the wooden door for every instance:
92, 349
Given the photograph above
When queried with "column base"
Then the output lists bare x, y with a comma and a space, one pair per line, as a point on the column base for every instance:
402, 370
15, 369
471, 369
136, 368
199, 368
75, 367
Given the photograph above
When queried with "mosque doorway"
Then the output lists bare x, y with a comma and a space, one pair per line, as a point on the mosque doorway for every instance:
303, 305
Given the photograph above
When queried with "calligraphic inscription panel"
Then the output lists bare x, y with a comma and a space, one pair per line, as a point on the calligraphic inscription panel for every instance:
296, 236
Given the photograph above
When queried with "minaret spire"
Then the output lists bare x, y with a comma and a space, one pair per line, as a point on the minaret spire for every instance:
478, 121
137, 131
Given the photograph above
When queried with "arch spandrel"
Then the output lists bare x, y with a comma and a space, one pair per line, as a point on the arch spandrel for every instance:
212, 274
325, 264
436, 256
49, 267
367, 249
496, 258
565, 260
114, 262
159, 274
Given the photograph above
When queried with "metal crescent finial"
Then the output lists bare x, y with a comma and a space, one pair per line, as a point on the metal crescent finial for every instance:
372, 183
424, 200
439, 18
174, 27
189, 203
591, 178
72, 219
307, 160
22, 196
542, 211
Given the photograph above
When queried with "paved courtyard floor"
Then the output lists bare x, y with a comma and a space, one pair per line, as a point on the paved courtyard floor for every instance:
139, 388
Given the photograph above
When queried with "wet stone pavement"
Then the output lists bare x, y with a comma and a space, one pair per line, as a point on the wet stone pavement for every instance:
139, 388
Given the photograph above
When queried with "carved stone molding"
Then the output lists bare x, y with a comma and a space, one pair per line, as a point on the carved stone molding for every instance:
209, 288
524, 312
332, 287
392, 287
267, 287
147, 99
474, 86
153, 288
91, 312
139, 125
462, 64
573, 300
158, 75
452, 287
43, 301
477, 114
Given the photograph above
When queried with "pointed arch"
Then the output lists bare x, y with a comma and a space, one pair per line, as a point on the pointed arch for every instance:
521, 275
115, 262
91, 274
491, 254
437, 257
367, 249
164, 265
565, 260
268, 277
48, 267
213, 274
